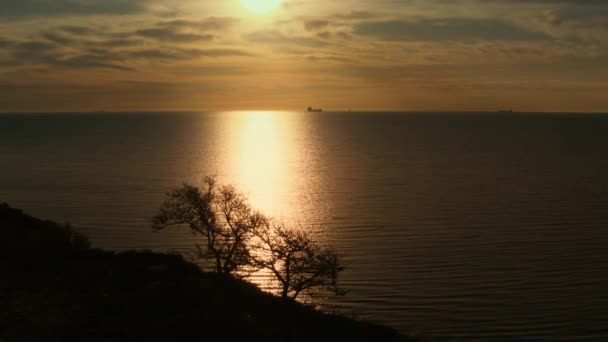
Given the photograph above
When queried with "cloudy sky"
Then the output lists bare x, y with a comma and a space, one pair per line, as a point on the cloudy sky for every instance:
537, 55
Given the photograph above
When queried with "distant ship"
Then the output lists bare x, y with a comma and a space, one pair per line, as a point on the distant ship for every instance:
314, 110
506, 111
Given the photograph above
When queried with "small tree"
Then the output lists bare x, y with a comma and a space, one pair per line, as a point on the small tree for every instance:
237, 238
220, 215
297, 261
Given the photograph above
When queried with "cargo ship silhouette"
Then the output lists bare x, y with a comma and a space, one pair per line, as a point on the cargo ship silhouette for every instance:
314, 110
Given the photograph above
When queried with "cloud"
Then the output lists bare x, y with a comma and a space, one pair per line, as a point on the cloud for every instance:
46, 8
45, 53
91, 60
51, 54
333, 21
325, 35
355, 15
170, 35
80, 30
209, 24
91, 39
29, 52
335, 59
58, 38
177, 54
446, 29
187, 31
575, 24
552, 2
95, 47
116, 43
344, 35
274, 37
315, 25
5, 43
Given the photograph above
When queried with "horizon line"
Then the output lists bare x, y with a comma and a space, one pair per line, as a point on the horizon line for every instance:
291, 110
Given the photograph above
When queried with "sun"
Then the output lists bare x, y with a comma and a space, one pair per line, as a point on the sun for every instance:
260, 6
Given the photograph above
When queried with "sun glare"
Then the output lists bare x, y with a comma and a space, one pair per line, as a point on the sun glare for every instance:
260, 160
260, 6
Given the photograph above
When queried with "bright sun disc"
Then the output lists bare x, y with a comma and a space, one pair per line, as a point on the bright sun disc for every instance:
260, 6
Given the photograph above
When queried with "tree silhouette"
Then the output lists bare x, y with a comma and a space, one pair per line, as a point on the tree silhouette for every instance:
221, 215
237, 239
297, 260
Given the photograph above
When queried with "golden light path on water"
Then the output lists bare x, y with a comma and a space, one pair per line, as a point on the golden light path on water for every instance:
261, 159
273, 164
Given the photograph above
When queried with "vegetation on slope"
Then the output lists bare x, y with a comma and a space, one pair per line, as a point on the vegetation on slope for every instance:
53, 287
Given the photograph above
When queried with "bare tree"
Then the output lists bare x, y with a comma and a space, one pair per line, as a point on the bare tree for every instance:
220, 215
297, 260
237, 239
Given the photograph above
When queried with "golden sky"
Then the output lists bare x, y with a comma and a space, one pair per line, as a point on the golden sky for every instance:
81, 55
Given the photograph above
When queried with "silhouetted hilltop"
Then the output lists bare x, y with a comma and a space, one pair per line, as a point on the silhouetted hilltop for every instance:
55, 288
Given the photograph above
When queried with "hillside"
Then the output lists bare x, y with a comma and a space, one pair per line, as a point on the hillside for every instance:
54, 287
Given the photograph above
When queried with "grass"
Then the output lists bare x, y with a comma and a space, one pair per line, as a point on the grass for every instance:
54, 287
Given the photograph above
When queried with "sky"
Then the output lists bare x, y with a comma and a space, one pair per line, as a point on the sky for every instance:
427, 55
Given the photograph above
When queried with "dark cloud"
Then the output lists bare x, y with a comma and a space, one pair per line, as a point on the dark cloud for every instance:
5, 43
50, 54
344, 35
32, 52
58, 38
78, 30
176, 31
92, 39
446, 29
325, 35
185, 54
315, 25
580, 16
187, 31
583, 3
576, 24
169, 35
156, 54
355, 15
86, 61
45, 53
81, 30
325, 25
82, 47
209, 24
117, 43
552, 2
30, 8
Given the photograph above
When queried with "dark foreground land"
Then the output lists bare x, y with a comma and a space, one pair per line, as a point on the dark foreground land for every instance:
54, 287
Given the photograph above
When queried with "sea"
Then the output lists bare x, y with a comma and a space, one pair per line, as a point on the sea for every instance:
452, 226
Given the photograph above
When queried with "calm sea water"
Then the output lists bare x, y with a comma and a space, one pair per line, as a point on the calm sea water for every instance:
456, 226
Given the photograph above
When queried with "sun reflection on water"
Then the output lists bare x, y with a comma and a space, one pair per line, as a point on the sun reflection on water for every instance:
259, 156
260, 160
272, 162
